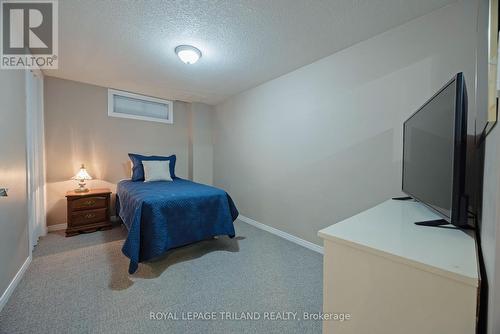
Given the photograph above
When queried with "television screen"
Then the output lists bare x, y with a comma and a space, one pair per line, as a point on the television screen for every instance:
433, 151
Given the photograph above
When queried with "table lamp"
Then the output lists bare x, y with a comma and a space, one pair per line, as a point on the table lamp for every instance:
82, 176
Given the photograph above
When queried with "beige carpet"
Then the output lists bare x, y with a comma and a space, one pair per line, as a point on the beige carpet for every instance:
81, 285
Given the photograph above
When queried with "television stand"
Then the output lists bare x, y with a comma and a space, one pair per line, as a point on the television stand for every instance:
381, 258
432, 223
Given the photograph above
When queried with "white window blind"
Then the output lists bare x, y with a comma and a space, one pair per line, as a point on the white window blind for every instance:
140, 107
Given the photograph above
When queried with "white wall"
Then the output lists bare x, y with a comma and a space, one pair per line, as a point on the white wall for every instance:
490, 231
490, 218
13, 209
324, 142
78, 130
201, 143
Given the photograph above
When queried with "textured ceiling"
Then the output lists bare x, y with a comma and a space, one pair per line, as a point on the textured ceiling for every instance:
129, 44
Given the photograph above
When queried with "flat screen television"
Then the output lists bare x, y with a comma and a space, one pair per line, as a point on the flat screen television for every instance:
434, 154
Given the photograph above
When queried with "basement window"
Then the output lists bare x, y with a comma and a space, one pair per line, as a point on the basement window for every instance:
134, 106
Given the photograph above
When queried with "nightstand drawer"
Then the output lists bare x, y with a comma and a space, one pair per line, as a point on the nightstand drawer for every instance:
88, 217
88, 211
89, 203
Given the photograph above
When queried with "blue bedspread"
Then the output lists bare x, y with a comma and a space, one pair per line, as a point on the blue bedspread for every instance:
168, 214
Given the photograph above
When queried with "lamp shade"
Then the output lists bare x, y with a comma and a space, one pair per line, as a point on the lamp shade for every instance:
82, 174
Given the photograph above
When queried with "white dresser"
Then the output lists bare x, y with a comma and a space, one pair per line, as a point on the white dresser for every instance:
392, 276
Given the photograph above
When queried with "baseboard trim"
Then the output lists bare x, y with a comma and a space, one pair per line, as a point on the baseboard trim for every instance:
13, 284
284, 235
58, 227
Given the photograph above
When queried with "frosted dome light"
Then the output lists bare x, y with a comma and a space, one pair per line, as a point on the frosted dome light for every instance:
188, 54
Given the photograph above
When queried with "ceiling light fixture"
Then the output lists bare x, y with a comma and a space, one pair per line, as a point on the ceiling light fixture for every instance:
188, 54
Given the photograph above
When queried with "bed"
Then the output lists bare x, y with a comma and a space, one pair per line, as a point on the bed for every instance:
166, 214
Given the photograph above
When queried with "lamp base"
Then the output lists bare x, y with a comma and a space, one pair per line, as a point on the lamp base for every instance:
81, 187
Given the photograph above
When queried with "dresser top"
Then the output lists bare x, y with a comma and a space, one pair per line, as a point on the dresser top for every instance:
389, 230
91, 192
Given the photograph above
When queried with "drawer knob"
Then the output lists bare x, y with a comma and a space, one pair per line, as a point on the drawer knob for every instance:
89, 203
89, 215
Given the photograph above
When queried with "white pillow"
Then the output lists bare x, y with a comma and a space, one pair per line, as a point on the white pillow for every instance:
156, 171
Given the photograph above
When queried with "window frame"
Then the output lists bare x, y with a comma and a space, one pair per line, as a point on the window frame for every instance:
112, 113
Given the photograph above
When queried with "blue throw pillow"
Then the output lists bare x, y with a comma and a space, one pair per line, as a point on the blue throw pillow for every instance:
138, 168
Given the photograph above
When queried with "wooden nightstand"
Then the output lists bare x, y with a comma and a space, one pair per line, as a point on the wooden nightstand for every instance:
88, 212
